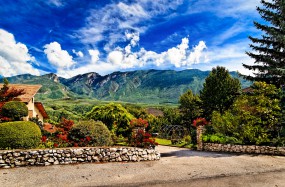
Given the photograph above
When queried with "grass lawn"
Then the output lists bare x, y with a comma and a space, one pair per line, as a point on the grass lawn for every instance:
166, 142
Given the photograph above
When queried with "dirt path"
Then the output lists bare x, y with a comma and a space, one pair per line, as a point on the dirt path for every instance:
177, 167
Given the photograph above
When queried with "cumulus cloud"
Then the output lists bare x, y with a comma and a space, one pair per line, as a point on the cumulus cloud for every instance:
115, 57
58, 57
78, 53
94, 55
134, 38
179, 56
14, 56
197, 54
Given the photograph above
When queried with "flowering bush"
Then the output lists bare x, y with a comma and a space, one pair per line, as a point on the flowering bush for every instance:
5, 119
84, 133
142, 139
200, 122
139, 123
90, 133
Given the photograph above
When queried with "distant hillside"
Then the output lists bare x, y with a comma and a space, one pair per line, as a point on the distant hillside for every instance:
51, 87
145, 86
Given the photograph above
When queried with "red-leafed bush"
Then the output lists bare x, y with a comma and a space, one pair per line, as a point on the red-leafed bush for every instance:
200, 122
142, 139
139, 123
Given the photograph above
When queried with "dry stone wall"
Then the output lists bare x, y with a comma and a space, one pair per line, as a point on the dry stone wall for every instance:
45, 157
251, 149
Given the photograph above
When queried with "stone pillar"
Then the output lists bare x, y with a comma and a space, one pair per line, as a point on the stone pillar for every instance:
200, 130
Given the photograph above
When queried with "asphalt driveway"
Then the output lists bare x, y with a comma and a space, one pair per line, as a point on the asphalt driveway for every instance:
177, 167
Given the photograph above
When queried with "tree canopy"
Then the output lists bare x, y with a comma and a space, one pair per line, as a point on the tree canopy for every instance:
9, 94
190, 107
254, 118
115, 116
269, 49
219, 91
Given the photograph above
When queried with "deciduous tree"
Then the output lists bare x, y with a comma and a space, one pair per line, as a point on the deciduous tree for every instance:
219, 91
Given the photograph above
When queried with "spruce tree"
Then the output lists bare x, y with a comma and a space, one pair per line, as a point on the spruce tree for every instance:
269, 49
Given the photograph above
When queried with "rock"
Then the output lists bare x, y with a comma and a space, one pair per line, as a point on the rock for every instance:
113, 150
16, 154
124, 151
47, 163
78, 152
95, 158
80, 160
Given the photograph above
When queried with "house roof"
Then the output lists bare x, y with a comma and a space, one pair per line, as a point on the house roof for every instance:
30, 91
42, 110
247, 90
50, 128
155, 112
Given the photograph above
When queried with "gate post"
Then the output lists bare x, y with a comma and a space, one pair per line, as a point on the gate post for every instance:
200, 130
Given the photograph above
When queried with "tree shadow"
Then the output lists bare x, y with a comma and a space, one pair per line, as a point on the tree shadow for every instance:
192, 153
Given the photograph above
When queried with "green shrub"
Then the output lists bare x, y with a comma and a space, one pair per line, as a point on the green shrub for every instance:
14, 110
219, 138
90, 133
19, 134
115, 116
254, 118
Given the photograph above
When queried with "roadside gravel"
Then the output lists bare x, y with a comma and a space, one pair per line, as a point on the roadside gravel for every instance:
177, 167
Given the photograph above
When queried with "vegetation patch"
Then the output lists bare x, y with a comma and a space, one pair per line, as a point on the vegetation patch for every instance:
19, 134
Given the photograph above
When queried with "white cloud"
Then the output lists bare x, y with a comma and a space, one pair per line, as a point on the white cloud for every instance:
102, 68
134, 10
178, 57
230, 56
78, 53
134, 38
125, 59
57, 3
111, 22
197, 54
236, 29
14, 56
94, 55
58, 57
115, 57
227, 8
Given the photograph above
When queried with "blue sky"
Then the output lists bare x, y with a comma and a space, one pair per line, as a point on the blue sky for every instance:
71, 37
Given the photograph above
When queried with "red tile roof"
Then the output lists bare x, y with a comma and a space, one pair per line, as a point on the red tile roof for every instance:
42, 110
30, 91
50, 128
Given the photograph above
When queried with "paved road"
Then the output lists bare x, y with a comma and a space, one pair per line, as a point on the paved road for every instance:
177, 167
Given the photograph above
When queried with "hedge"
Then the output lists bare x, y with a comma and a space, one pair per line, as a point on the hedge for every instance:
19, 134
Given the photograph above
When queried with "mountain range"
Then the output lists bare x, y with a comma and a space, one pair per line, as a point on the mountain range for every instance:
141, 86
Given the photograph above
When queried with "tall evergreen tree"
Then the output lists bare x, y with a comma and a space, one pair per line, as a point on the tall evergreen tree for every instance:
270, 47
